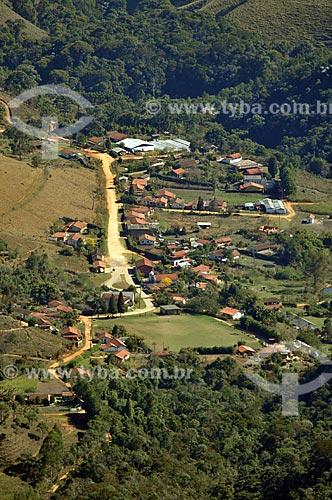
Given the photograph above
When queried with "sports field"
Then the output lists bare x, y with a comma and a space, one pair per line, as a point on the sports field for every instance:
175, 332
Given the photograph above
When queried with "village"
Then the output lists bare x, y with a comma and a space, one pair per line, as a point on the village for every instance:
192, 239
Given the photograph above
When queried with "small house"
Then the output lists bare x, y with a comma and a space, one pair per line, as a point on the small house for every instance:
169, 310
144, 266
245, 350
95, 141
232, 158
99, 266
68, 154
179, 172
77, 227
311, 219
146, 239
59, 236
252, 187
272, 303
116, 136
231, 313
122, 355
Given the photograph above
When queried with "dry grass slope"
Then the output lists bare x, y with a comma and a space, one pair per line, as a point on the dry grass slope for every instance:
7, 14
282, 20
33, 199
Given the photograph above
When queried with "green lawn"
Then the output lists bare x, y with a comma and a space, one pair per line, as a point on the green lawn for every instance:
239, 198
175, 332
20, 384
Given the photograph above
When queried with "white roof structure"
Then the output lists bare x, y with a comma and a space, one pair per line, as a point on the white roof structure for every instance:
172, 145
273, 206
168, 144
133, 143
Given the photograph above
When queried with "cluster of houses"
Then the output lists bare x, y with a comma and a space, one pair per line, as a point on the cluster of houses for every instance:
165, 198
47, 317
73, 233
254, 178
110, 344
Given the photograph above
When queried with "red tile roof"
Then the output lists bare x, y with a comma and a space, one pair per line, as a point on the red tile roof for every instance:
229, 311
243, 349
179, 171
117, 136
251, 184
202, 268
122, 354
144, 262
99, 263
171, 276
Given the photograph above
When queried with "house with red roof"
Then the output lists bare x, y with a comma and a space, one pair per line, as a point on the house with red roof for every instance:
180, 172
99, 266
59, 236
166, 276
245, 350
166, 194
231, 313
116, 136
232, 158
144, 266
122, 355
77, 227
74, 334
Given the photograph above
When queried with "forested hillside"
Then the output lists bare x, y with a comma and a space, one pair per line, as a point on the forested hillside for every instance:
213, 436
119, 54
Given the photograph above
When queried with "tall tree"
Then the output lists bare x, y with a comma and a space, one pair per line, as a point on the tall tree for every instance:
121, 304
112, 306
273, 166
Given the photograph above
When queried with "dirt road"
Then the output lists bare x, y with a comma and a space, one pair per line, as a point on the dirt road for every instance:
118, 254
87, 344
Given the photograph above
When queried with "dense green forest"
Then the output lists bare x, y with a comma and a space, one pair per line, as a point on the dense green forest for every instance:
119, 54
213, 435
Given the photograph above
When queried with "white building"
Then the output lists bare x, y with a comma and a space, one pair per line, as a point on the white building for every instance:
136, 145
273, 206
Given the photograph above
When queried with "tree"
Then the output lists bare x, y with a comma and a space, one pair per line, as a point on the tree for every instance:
200, 203
273, 166
20, 143
288, 181
317, 166
112, 306
121, 304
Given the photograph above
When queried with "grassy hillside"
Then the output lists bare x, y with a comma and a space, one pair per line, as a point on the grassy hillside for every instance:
285, 19
6, 14
30, 341
33, 199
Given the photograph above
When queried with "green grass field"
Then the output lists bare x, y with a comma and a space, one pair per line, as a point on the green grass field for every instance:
175, 332
19, 384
